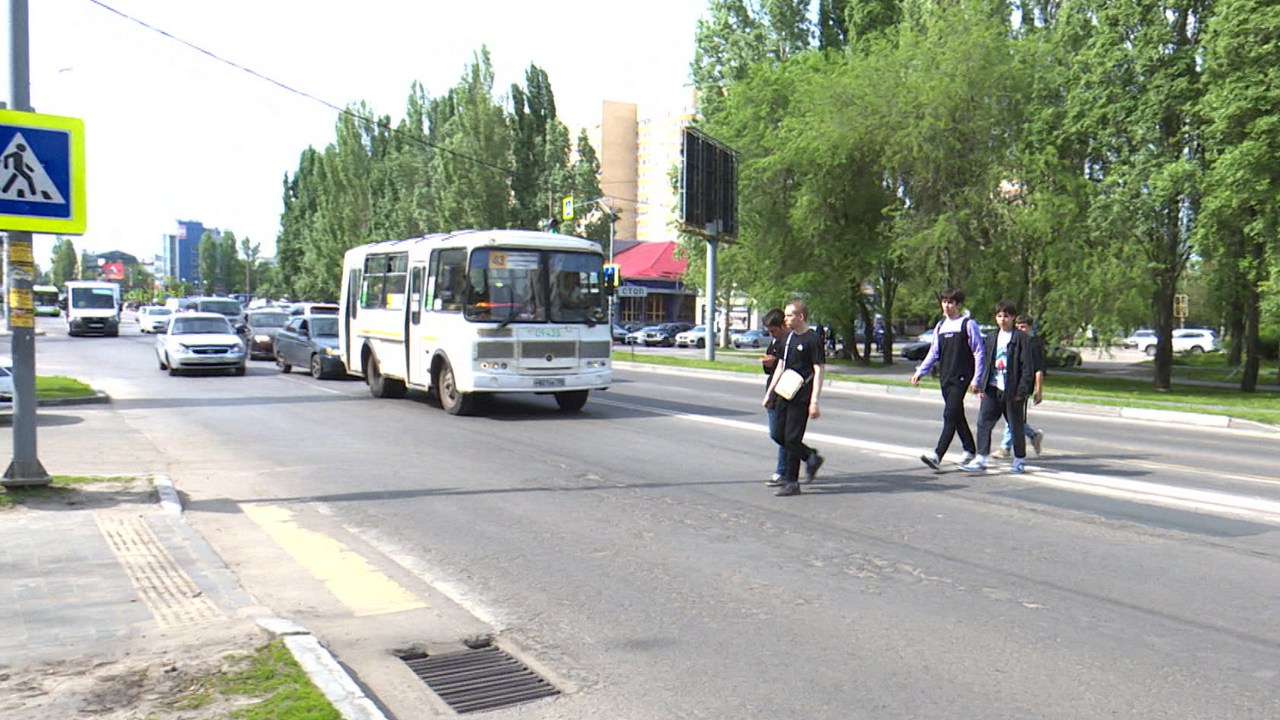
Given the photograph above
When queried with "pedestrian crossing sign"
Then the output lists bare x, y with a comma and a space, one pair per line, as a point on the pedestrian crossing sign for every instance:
41, 173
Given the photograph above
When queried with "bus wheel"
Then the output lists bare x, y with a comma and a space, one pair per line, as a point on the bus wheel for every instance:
453, 402
381, 385
572, 401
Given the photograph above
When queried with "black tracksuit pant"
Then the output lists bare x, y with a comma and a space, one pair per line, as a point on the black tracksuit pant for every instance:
996, 404
953, 419
788, 431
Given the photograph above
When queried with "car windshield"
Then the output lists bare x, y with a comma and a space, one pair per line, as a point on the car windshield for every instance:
195, 326
93, 298
324, 326
272, 319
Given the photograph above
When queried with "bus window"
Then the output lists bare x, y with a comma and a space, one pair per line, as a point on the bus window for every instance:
506, 286
451, 280
577, 287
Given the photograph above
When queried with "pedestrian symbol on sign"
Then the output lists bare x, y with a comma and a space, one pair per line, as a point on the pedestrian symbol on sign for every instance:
25, 178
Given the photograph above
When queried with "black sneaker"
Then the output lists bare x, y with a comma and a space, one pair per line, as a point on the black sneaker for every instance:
811, 468
930, 459
788, 490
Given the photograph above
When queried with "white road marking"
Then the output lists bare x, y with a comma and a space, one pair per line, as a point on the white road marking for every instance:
1209, 501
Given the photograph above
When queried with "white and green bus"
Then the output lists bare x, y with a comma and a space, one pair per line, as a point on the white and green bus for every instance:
476, 312
45, 300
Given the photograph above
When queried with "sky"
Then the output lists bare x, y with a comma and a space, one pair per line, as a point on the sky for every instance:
173, 134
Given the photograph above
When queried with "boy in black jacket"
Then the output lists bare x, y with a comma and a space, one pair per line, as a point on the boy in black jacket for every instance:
1005, 380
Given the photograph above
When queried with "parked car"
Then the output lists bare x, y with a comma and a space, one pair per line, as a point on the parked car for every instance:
259, 332
914, 351
1061, 357
153, 318
636, 337
695, 336
664, 334
1141, 339
310, 341
620, 333
200, 341
1194, 340
751, 338
6, 381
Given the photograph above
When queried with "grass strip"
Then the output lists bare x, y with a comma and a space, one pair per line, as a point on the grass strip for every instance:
272, 676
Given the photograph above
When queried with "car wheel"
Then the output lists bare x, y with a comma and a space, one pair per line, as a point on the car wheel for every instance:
1151, 351
755, 343
239, 371
163, 365
572, 401
453, 401
1196, 349
317, 370
284, 366
172, 370
702, 344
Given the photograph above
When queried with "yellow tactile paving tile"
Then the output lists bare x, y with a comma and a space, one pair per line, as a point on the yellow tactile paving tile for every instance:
352, 579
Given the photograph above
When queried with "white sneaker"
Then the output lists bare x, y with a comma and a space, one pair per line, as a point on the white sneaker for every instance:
966, 458
930, 459
1019, 466
977, 464
1037, 440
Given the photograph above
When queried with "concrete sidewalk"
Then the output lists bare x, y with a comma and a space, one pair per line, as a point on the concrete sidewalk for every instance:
114, 604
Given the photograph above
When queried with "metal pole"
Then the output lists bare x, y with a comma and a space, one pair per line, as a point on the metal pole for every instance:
26, 468
711, 299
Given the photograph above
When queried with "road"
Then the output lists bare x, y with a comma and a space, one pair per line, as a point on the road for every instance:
633, 554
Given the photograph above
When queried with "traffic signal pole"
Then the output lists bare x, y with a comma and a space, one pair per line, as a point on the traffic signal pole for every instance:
25, 469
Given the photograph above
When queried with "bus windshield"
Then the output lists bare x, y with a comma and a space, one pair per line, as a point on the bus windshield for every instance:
534, 286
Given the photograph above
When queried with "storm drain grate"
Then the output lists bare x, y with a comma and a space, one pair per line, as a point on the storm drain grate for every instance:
483, 678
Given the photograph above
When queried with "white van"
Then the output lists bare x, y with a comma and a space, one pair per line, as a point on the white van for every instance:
93, 308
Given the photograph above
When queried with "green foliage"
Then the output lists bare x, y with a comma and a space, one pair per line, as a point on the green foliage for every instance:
64, 262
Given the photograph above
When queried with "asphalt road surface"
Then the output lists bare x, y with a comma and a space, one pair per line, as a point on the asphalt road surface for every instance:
633, 554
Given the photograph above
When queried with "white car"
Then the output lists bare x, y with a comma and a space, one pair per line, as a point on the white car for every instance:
200, 341
1194, 340
695, 337
1142, 339
1185, 340
153, 318
6, 382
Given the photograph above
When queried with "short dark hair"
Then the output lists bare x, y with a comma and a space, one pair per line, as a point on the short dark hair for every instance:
954, 294
773, 318
1007, 307
802, 308
1024, 320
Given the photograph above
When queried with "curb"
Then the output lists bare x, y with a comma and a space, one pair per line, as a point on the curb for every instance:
835, 380
97, 398
318, 663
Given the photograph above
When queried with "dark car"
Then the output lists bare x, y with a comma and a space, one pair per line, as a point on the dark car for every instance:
310, 341
1061, 357
664, 334
914, 351
259, 332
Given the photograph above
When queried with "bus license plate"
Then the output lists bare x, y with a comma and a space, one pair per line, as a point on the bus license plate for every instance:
548, 382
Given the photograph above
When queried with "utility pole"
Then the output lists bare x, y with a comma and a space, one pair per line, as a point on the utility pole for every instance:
25, 470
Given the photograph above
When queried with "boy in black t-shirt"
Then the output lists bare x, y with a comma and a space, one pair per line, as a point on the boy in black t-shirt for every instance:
775, 324
803, 351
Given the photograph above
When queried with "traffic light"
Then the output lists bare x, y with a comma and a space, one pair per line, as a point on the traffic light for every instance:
611, 275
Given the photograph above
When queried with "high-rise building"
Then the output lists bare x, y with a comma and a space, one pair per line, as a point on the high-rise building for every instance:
181, 257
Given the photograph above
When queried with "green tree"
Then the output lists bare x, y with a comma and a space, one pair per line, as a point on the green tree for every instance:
207, 261
1239, 221
65, 264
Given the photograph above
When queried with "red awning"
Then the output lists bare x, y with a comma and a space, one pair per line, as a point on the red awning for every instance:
654, 260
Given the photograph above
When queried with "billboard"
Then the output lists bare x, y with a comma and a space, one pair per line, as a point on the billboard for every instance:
708, 186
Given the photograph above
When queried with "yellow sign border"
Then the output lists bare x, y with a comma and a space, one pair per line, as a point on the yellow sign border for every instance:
74, 127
